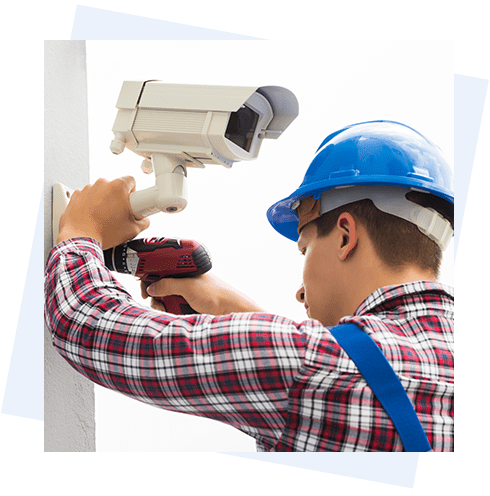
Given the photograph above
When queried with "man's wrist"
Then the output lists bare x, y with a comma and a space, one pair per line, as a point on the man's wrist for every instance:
67, 234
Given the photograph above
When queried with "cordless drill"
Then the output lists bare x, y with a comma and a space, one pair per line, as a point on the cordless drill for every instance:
151, 259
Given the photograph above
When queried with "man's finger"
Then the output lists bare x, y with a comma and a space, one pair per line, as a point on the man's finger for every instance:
143, 286
157, 305
166, 287
157, 288
130, 183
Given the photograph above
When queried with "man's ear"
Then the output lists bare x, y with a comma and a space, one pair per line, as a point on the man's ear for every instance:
346, 225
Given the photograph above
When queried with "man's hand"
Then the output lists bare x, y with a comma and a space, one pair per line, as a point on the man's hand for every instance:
206, 294
102, 211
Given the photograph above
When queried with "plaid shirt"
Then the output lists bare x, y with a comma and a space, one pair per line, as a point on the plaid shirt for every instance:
288, 385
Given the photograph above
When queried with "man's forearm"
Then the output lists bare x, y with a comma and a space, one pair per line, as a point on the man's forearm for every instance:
233, 301
206, 294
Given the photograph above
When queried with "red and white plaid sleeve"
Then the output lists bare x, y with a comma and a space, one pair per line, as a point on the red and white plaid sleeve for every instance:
236, 369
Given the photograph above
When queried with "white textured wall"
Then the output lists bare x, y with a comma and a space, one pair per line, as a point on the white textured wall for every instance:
69, 411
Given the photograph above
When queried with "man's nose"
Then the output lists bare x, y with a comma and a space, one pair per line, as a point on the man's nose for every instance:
300, 294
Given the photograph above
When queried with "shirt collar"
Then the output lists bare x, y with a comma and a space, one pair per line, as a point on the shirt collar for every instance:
387, 293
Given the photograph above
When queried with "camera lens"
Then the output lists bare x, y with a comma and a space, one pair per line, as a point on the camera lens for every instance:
241, 127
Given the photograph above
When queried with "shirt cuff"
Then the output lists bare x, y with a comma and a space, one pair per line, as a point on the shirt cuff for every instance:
89, 245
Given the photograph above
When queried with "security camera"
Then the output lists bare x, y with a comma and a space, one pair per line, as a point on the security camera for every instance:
174, 127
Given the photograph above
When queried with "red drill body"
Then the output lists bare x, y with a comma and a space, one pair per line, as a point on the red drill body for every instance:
152, 259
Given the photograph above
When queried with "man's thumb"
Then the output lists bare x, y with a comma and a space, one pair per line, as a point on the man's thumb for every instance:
145, 223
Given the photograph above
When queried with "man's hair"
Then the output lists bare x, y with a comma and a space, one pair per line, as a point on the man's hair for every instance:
398, 242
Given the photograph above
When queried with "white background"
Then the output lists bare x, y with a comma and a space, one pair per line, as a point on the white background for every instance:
346, 82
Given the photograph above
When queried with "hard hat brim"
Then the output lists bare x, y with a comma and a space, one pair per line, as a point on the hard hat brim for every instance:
284, 219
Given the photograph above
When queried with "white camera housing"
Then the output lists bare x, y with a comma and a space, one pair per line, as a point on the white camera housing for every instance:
174, 127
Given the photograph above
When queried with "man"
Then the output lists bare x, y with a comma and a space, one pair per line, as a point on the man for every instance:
372, 217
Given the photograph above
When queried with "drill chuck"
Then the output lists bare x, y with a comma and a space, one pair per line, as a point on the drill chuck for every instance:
115, 259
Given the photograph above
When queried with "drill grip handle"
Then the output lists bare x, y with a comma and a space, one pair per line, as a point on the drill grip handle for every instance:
176, 305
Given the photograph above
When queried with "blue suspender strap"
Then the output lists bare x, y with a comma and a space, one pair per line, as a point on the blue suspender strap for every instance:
382, 379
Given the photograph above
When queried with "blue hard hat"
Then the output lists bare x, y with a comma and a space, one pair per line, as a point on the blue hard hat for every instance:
368, 153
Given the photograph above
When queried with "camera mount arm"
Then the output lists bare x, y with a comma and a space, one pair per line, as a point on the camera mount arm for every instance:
170, 191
